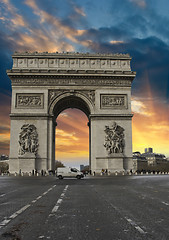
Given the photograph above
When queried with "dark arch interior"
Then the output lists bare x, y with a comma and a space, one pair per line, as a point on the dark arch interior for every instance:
71, 102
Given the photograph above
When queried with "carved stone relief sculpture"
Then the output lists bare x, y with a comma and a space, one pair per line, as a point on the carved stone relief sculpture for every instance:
114, 139
28, 139
29, 100
113, 101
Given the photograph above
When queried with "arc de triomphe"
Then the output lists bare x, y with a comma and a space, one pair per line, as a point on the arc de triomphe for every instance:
45, 84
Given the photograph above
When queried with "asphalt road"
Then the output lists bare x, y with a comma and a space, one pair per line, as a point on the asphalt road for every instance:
119, 207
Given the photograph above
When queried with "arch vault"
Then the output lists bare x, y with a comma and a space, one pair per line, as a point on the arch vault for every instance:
45, 84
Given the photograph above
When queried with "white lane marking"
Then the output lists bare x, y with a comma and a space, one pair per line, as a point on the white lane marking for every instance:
14, 215
167, 204
2, 195
44, 193
128, 219
38, 197
4, 222
135, 225
55, 209
59, 201
19, 211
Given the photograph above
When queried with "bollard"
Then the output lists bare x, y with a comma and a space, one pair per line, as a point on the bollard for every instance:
147, 173
2, 174
15, 174
135, 173
22, 174
141, 173
159, 173
163, 173
123, 173
155, 173
116, 173
30, 174
151, 173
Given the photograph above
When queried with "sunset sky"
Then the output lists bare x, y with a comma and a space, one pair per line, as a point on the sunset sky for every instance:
137, 27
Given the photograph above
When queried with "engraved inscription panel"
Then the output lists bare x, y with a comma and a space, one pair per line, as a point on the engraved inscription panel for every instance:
113, 101
29, 100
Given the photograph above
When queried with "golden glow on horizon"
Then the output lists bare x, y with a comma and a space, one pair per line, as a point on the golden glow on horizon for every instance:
72, 136
151, 130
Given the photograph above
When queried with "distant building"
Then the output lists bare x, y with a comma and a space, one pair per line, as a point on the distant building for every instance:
139, 161
148, 158
148, 150
84, 168
154, 158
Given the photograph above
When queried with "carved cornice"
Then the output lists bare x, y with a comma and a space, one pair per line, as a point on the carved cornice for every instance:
31, 116
69, 72
111, 116
71, 54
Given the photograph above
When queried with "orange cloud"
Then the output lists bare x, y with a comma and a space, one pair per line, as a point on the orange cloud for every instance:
4, 123
56, 25
16, 19
79, 11
116, 42
139, 3
152, 130
139, 107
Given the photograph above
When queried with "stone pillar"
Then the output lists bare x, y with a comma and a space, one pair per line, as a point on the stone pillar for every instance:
89, 144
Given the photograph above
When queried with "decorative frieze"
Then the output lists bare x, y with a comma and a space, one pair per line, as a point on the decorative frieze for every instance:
39, 81
29, 100
114, 139
113, 101
90, 94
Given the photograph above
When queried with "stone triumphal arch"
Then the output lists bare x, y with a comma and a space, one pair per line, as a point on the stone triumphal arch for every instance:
45, 84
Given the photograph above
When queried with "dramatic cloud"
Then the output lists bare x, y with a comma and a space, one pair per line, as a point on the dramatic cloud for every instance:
140, 3
137, 27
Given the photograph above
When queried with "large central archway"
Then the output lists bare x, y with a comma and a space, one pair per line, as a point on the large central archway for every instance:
73, 100
72, 138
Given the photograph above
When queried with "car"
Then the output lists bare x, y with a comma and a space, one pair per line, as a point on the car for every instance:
63, 172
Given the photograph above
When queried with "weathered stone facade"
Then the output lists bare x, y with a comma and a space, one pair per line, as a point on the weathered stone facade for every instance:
45, 84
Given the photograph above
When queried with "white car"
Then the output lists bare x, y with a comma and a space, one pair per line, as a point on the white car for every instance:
69, 172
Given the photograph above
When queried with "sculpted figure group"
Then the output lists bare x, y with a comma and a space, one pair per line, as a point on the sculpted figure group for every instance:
28, 139
114, 140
